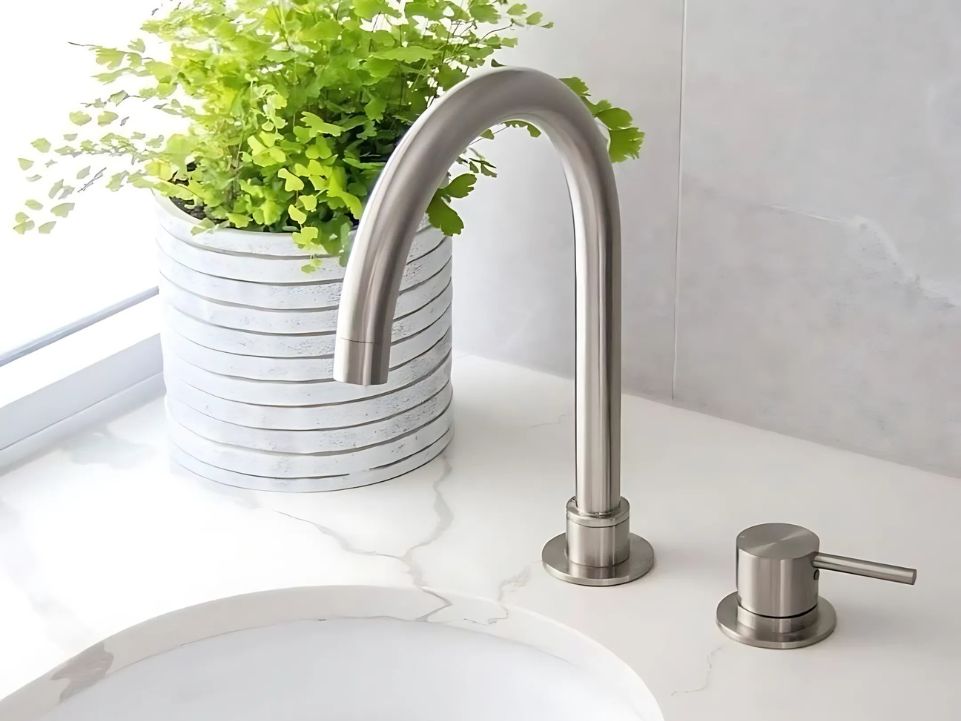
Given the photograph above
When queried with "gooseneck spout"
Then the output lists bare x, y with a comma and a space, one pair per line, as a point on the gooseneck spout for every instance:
598, 548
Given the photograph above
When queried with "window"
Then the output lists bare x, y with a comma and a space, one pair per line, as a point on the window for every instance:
99, 260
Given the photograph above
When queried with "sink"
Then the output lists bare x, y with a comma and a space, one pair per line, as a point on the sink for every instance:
346, 669
313, 654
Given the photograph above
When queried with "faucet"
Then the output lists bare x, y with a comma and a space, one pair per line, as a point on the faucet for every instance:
598, 548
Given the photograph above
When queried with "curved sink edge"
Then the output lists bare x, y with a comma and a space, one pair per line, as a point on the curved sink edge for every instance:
259, 609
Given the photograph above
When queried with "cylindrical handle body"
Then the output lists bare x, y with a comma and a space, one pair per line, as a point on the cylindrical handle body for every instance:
775, 575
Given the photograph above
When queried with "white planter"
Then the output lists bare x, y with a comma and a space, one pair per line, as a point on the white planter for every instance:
248, 345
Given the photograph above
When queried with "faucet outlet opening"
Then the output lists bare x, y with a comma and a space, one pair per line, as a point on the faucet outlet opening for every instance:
359, 363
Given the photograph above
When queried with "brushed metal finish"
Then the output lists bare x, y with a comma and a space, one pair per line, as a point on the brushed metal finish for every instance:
869, 569
776, 604
304, 393
275, 270
774, 572
417, 167
598, 540
557, 563
315, 417
304, 345
777, 633
287, 322
294, 369
290, 296
234, 241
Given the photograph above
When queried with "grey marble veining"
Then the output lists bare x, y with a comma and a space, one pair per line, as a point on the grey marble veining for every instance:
111, 546
84, 670
820, 233
19, 563
809, 326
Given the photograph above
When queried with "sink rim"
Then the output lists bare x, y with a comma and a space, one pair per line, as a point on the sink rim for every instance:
260, 609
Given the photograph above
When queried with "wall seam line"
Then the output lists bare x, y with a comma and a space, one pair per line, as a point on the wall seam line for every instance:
680, 189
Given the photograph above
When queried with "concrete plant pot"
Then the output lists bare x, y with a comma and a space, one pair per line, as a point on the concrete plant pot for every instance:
248, 344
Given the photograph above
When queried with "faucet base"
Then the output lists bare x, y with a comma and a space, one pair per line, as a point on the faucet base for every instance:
639, 561
768, 632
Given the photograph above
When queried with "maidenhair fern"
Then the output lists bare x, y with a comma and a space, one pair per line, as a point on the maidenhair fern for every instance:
287, 110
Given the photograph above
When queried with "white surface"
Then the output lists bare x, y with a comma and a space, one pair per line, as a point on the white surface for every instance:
351, 670
47, 281
41, 393
820, 260
79, 350
101, 534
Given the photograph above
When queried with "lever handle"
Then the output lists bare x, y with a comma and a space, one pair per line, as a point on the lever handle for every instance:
871, 569
776, 604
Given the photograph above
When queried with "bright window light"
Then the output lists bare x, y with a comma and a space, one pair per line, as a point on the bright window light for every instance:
103, 253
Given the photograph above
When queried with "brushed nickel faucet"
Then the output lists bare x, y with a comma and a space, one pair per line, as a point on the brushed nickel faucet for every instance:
598, 548
776, 604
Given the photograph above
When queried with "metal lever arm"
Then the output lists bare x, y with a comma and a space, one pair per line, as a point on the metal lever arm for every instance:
858, 567
777, 604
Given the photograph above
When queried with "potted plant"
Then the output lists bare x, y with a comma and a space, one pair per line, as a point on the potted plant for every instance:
285, 112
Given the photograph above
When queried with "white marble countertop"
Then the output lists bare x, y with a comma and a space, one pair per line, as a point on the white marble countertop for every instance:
101, 533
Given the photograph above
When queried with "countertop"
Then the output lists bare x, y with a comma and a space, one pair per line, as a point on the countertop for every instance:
101, 533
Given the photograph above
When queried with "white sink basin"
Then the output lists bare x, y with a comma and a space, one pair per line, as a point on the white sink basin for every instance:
309, 666
347, 670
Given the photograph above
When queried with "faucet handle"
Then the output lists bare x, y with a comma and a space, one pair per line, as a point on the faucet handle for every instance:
776, 604
868, 569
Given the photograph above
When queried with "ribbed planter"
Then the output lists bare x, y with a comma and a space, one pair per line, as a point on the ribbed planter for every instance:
248, 344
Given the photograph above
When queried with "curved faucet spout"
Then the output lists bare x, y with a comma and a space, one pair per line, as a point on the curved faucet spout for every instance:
394, 210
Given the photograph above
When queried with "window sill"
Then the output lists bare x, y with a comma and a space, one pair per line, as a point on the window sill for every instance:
81, 379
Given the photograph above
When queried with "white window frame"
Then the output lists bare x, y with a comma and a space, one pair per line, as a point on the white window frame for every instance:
80, 374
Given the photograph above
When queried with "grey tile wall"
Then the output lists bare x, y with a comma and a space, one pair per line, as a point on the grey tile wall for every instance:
820, 228
818, 236
513, 267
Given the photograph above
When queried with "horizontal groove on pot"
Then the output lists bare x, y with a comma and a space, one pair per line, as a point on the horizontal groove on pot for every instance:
294, 465
269, 269
312, 441
286, 321
312, 417
313, 484
248, 345
293, 369
307, 295
297, 393
436, 279
291, 345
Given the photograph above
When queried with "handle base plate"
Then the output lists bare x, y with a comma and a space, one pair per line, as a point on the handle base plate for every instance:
779, 633
557, 563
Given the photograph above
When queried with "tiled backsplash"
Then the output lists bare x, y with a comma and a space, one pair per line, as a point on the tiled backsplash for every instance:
814, 261
514, 265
